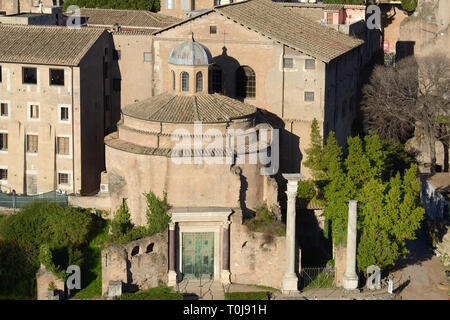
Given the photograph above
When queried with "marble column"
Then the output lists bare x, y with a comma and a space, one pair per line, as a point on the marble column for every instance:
290, 279
350, 276
172, 273
225, 273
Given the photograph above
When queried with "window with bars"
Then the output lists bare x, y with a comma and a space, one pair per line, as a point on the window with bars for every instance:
64, 114
29, 75
310, 64
56, 77
217, 79
63, 178
246, 82
63, 145
3, 141
309, 96
199, 82
212, 29
34, 111
32, 143
184, 81
3, 174
3, 109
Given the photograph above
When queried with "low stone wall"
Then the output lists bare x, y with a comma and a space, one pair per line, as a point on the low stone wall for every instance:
43, 278
101, 202
140, 264
252, 261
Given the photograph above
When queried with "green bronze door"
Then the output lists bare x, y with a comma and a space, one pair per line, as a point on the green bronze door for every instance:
198, 255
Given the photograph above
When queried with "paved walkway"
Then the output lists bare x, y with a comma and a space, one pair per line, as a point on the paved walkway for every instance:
426, 274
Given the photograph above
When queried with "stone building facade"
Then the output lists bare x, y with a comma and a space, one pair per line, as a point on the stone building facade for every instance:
52, 88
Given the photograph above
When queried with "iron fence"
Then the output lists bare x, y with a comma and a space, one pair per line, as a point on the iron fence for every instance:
17, 201
322, 277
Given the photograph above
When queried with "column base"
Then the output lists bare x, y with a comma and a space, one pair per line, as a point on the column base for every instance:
290, 283
350, 281
225, 277
172, 281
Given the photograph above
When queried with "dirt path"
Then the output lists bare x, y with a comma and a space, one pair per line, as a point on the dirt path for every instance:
425, 272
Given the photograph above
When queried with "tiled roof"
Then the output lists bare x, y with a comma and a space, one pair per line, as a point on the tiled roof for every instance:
286, 26
333, 7
127, 18
180, 108
46, 45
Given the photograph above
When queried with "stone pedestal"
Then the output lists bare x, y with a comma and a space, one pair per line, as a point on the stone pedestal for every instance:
290, 279
350, 276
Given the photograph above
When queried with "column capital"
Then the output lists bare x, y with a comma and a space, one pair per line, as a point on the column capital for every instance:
171, 226
226, 224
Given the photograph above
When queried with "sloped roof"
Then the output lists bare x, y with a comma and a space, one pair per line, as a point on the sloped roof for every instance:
46, 45
179, 108
127, 18
286, 26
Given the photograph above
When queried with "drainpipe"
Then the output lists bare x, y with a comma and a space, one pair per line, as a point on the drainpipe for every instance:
282, 84
73, 136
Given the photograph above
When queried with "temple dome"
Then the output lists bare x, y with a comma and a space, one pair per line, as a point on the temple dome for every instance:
173, 108
190, 53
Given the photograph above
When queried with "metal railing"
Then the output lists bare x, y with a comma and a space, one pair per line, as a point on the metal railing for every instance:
322, 277
17, 201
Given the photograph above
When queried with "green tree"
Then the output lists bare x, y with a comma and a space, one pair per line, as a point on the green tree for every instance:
409, 5
121, 223
157, 217
379, 174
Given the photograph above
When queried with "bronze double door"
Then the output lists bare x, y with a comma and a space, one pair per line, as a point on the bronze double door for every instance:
198, 255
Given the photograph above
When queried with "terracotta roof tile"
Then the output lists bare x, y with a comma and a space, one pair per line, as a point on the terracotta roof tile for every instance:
169, 107
127, 18
46, 45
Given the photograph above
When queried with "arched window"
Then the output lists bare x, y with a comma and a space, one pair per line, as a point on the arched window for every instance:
199, 82
184, 81
245, 82
173, 80
216, 79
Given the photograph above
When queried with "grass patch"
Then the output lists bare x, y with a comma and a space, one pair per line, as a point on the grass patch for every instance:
323, 280
158, 293
246, 296
266, 287
91, 274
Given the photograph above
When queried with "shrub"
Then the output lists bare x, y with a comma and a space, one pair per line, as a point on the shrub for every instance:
121, 223
306, 191
409, 5
265, 221
157, 216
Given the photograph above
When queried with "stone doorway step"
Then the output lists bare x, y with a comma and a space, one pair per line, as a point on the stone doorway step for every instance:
201, 290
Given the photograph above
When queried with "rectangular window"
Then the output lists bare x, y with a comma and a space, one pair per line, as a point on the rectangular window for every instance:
148, 57
34, 111
3, 174
288, 63
63, 178
3, 109
116, 55
32, 143
309, 96
212, 29
29, 75
64, 114
3, 141
310, 64
56, 77
116, 84
62, 145
216, 2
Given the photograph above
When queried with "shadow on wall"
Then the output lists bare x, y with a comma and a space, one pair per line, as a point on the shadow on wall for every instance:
114, 105
404, 49
223, 77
